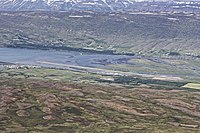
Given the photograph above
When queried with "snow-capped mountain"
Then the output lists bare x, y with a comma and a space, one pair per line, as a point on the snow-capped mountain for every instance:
100, 5
16, 5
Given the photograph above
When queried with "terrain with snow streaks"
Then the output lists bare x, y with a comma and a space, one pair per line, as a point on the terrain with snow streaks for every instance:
100, 5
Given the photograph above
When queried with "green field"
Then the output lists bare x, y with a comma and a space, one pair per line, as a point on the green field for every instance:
192, 85
183, 68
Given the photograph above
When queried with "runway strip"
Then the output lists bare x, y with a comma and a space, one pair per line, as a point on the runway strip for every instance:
110, 72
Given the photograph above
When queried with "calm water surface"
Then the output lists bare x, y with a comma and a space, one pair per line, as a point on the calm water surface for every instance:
27, 56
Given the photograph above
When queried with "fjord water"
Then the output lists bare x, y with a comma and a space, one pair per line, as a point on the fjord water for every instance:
34, 56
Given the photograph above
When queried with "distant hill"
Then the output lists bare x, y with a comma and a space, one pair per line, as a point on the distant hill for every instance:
142, 33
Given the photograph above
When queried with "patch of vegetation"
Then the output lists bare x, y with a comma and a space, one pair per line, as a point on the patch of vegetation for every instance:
139, 81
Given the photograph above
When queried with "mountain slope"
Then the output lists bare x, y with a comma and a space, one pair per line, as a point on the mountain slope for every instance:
122, 33
100, 5
16, 5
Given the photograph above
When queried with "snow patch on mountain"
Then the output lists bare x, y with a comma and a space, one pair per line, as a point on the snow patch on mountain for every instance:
100, 5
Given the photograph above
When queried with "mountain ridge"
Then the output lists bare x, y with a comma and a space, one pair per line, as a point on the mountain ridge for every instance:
101, 5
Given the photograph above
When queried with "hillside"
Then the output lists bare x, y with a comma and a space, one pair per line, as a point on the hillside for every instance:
49, 101
122, 33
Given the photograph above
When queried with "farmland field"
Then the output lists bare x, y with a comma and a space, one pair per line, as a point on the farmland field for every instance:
192, 85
